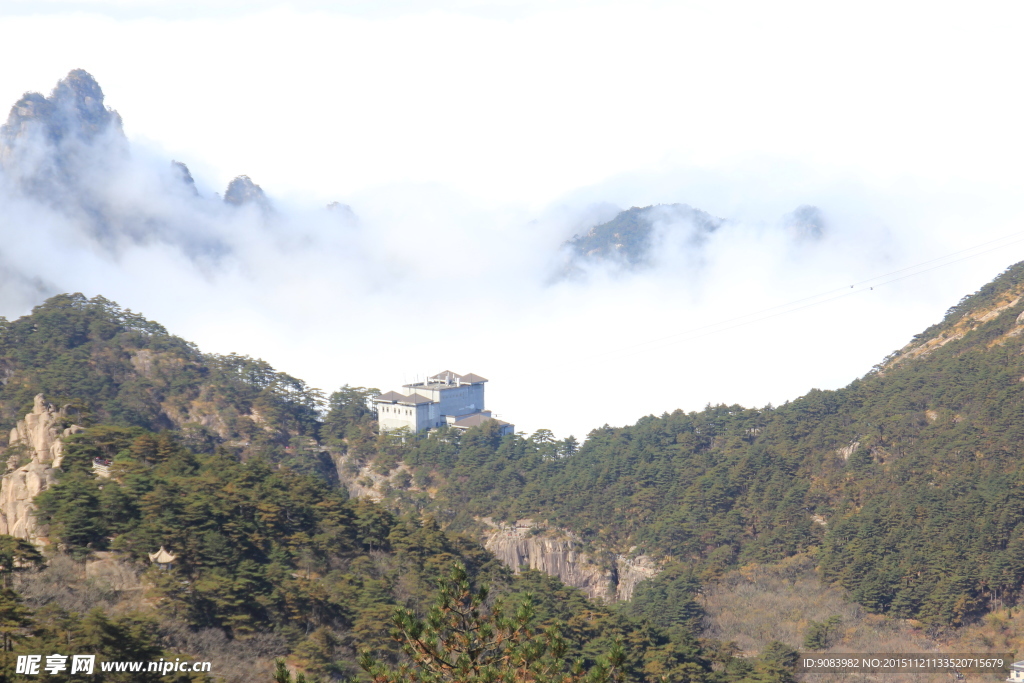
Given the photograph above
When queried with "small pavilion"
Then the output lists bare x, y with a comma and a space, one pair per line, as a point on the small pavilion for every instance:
162, 558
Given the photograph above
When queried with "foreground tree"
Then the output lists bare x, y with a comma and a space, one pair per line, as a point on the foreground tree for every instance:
16, 554
462, 642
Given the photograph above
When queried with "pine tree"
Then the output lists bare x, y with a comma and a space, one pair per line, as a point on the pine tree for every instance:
459, 642
14, 618
17, 554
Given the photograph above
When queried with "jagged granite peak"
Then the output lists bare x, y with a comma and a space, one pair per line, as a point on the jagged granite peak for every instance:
56, 148
67, 155
242, 190
74, 108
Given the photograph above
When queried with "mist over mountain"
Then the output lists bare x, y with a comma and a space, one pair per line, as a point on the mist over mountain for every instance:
73, 114
582, 314
85, 208
634, 237
681, 240
805, 223
67, 154
66, 158
242, 190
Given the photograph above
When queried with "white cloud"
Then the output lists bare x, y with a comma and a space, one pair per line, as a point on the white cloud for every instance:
471, 140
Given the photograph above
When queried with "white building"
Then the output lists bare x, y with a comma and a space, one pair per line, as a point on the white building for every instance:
1016, 672
446, 398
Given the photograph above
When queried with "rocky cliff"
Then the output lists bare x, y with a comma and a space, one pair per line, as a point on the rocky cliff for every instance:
560, 553
524, 544
37, 437
362, 481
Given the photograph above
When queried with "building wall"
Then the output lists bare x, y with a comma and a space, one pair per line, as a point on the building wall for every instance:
433, 415
423, 413
469, 398
393, 416
446, 400
475, 398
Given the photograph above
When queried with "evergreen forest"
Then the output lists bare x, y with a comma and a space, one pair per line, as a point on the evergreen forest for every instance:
228, 463
904, 487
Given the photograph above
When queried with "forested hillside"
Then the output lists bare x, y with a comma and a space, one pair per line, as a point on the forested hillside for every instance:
908, 481
261, 548
227, 464
905, 487
106, 365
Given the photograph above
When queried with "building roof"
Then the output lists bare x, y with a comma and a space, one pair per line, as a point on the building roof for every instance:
449, 376
395, 397
389, 397
414, 399
444, 376
162, 557
474, 420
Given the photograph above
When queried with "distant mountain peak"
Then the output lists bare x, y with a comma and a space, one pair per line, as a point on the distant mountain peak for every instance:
629, 237
57, 146
75, 108
806, 222
68, 152
242, 190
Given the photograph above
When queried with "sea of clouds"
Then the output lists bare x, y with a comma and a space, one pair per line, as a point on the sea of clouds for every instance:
407, 279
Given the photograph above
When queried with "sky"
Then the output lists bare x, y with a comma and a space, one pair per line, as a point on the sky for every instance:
472, 139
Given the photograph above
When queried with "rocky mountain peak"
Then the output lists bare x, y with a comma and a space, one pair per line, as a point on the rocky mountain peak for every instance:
74, 108
242, 190
629, 239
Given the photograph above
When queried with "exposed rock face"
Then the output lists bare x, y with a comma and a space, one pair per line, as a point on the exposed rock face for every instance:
559, 553
524, 544
846, 451
39, 431
967, 323
17, 491
632, 570
39, 434
362, 482
557, 556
